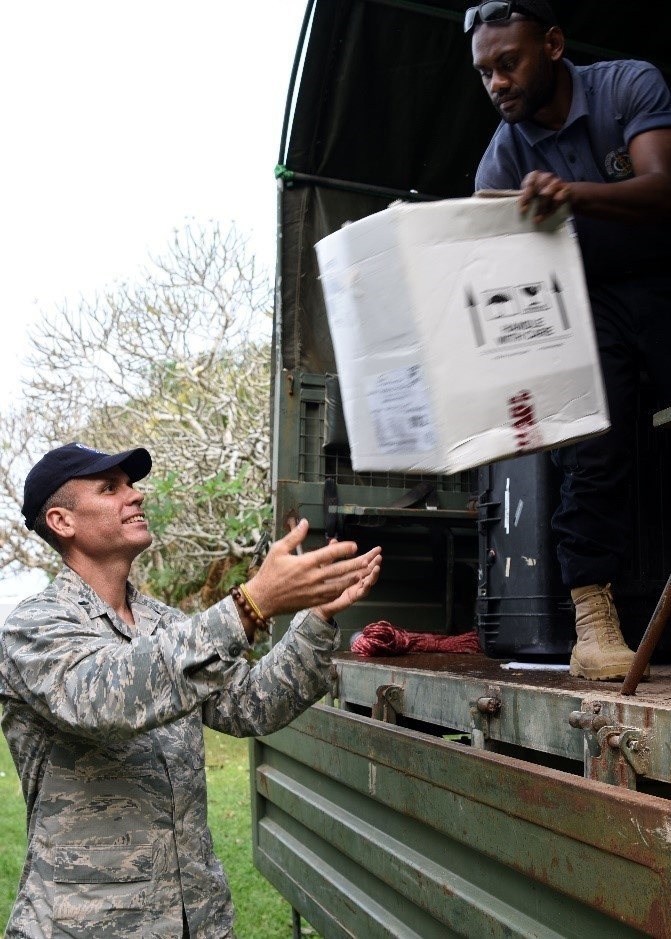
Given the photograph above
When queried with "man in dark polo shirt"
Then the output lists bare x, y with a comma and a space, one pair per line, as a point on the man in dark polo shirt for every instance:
598, 138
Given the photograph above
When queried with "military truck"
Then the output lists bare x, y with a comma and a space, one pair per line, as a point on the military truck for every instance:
434, 795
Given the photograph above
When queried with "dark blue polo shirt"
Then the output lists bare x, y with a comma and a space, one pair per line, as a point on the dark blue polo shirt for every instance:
612, 103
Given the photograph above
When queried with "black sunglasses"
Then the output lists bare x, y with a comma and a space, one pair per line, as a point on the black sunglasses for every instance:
494, 11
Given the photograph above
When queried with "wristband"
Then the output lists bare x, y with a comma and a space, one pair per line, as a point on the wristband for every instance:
249, 607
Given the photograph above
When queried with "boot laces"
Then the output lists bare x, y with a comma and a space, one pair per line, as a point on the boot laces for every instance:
611, 623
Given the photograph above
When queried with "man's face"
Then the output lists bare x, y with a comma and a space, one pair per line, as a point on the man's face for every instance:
108, 519
516, 68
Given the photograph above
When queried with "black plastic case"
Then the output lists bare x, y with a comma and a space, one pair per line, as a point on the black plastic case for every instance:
523, 609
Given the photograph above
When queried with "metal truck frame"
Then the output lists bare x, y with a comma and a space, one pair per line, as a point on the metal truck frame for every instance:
441, 795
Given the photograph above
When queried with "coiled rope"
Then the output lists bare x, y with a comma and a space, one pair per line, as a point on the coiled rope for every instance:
382, 638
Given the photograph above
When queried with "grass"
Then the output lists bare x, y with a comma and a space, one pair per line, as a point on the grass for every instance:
12, 832
261, 912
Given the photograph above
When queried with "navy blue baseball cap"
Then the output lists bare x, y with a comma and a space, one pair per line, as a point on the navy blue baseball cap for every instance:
70, 462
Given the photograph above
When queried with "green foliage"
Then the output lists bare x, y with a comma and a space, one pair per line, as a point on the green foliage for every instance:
174, 501
165, 501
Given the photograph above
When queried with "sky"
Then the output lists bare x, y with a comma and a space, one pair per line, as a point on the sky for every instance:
121, 121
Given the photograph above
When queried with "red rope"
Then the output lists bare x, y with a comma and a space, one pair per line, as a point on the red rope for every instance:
384, 639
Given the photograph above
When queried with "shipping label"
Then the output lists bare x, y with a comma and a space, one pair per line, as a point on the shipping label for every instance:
400, 411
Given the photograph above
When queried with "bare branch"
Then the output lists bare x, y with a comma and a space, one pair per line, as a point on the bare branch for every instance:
178, 361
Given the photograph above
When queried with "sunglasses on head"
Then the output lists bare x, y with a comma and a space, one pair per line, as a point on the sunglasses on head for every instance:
494, 11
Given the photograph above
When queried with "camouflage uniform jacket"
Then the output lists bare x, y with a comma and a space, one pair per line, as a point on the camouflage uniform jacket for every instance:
104, 723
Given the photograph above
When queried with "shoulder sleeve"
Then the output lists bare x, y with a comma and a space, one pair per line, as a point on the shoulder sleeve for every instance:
78, 673
643, 98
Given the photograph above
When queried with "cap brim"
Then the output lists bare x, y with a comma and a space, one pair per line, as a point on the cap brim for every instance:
136, 463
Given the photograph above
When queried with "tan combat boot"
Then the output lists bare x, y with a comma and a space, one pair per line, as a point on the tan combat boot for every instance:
600, 654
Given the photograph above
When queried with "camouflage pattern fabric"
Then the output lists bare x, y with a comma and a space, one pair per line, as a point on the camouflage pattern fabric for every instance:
105, 725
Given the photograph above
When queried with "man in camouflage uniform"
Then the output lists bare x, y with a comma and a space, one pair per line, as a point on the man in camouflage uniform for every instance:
105, 692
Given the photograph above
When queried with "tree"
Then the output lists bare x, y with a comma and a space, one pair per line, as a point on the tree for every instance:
177, 361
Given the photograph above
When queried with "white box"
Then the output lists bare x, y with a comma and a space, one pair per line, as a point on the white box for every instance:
462, 334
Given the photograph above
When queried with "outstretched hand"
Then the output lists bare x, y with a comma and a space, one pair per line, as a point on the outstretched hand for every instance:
327, 579
357, 591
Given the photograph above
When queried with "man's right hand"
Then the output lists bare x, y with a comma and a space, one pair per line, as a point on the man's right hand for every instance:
546, 192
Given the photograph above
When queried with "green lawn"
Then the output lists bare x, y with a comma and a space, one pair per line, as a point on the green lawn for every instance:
261, 912
12, 832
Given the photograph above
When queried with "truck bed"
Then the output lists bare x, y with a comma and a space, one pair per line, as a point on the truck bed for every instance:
655, 691
519, 710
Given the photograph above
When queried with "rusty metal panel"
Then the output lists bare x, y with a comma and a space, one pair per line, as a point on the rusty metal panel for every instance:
444, 698
374, 830
535, 710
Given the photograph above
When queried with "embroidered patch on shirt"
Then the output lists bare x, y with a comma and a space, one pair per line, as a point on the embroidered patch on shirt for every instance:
618, 164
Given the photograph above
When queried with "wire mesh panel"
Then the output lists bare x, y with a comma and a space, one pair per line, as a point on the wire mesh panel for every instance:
319, 459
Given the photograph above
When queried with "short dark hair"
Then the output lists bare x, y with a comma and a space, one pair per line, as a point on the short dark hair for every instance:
64, 498
542, 11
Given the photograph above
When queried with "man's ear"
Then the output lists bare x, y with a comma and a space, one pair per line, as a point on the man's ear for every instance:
554, 43
61, 522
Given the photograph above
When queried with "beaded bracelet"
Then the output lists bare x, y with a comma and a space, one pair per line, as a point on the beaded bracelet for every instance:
252, 603
247, 605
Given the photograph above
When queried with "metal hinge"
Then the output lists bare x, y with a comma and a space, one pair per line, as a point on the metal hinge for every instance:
614, 753
334, 685
482, 710
388, 703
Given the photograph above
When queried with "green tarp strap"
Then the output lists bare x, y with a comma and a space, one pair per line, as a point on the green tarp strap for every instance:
281, 172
